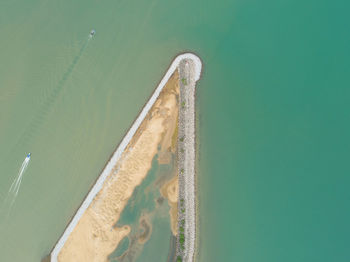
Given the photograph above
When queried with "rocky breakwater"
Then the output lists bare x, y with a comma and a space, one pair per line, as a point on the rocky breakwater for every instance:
186, 238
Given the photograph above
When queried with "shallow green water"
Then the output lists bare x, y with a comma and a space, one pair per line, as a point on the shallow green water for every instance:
147, 213
273, 116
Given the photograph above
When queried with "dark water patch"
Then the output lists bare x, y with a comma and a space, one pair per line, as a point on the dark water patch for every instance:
172, 249
160, 200
44, 109
148, 217
130, 254
142, 200
165, 172
157, 247
120, 250
141, 204
145, 230
46, 259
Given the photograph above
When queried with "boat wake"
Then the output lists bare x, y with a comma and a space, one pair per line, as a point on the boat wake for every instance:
16, 184
45, 108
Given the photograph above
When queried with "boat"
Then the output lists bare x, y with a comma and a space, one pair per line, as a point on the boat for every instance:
92, 32
28, 156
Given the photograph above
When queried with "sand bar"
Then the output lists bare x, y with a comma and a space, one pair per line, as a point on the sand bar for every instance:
96, 235
121, 148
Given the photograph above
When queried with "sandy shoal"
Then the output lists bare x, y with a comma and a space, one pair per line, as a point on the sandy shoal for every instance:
171, 192
95, 236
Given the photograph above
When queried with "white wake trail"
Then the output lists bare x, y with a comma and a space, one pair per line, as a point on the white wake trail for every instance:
16, 184
17, 179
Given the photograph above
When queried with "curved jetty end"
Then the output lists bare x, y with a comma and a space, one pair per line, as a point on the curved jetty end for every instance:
92, 234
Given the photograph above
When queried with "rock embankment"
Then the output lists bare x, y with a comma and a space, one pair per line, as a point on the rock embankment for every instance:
186, 162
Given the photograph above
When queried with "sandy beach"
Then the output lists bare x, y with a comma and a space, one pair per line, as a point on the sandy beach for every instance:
95, 236
171, 192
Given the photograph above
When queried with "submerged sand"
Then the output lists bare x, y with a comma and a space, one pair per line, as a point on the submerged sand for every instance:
171, 191
95, 237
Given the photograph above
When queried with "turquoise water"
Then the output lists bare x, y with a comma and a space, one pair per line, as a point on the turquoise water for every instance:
120, 250
147, 206
273, 116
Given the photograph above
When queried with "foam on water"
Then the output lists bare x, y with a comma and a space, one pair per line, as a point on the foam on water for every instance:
14, 189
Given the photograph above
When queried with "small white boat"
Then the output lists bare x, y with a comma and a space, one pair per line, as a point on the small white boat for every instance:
92, 32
